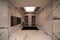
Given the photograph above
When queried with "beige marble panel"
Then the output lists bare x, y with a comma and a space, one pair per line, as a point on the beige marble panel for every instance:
56, 13
37, 3
13, 11
29, 35
3, 14
4, 34
44, 19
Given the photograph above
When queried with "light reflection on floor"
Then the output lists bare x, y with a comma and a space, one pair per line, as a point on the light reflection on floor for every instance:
29, 35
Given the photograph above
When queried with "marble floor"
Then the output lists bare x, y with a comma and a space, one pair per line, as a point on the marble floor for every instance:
29, 35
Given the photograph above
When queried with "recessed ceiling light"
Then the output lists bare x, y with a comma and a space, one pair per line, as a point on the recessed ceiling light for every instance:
29, 9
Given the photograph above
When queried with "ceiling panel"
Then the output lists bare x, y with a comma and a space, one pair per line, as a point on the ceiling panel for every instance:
37, 3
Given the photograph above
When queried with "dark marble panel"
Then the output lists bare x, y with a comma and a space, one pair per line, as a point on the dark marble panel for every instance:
56, 18
15, 20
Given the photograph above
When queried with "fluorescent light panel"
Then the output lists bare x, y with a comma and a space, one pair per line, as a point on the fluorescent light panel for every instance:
29, 9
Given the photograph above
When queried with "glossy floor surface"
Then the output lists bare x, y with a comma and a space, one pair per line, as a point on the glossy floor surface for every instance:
29, 35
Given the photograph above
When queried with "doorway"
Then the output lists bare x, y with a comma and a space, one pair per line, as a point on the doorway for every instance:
26, 21
30, 20
33, 22
30, 23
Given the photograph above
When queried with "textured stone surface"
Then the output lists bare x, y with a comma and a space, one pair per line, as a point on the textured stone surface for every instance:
44, 19
29, 35
56, 13
37, 3
3, 14
13, 11
3, 20
4, 34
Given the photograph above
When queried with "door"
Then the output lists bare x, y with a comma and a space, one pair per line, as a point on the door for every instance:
33, 20
26, 21
29, 21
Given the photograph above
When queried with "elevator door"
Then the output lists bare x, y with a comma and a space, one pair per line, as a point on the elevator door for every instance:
33, 21
29, 21
26, 21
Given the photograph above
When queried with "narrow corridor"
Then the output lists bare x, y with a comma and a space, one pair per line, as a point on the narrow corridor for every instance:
29, 19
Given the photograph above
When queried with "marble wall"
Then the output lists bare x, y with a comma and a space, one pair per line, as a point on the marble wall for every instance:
6, 10
56, 23
3, 14
13, 11
46, 22
44, 19
3, 20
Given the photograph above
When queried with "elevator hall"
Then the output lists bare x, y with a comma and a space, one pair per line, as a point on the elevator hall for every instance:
29, 19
